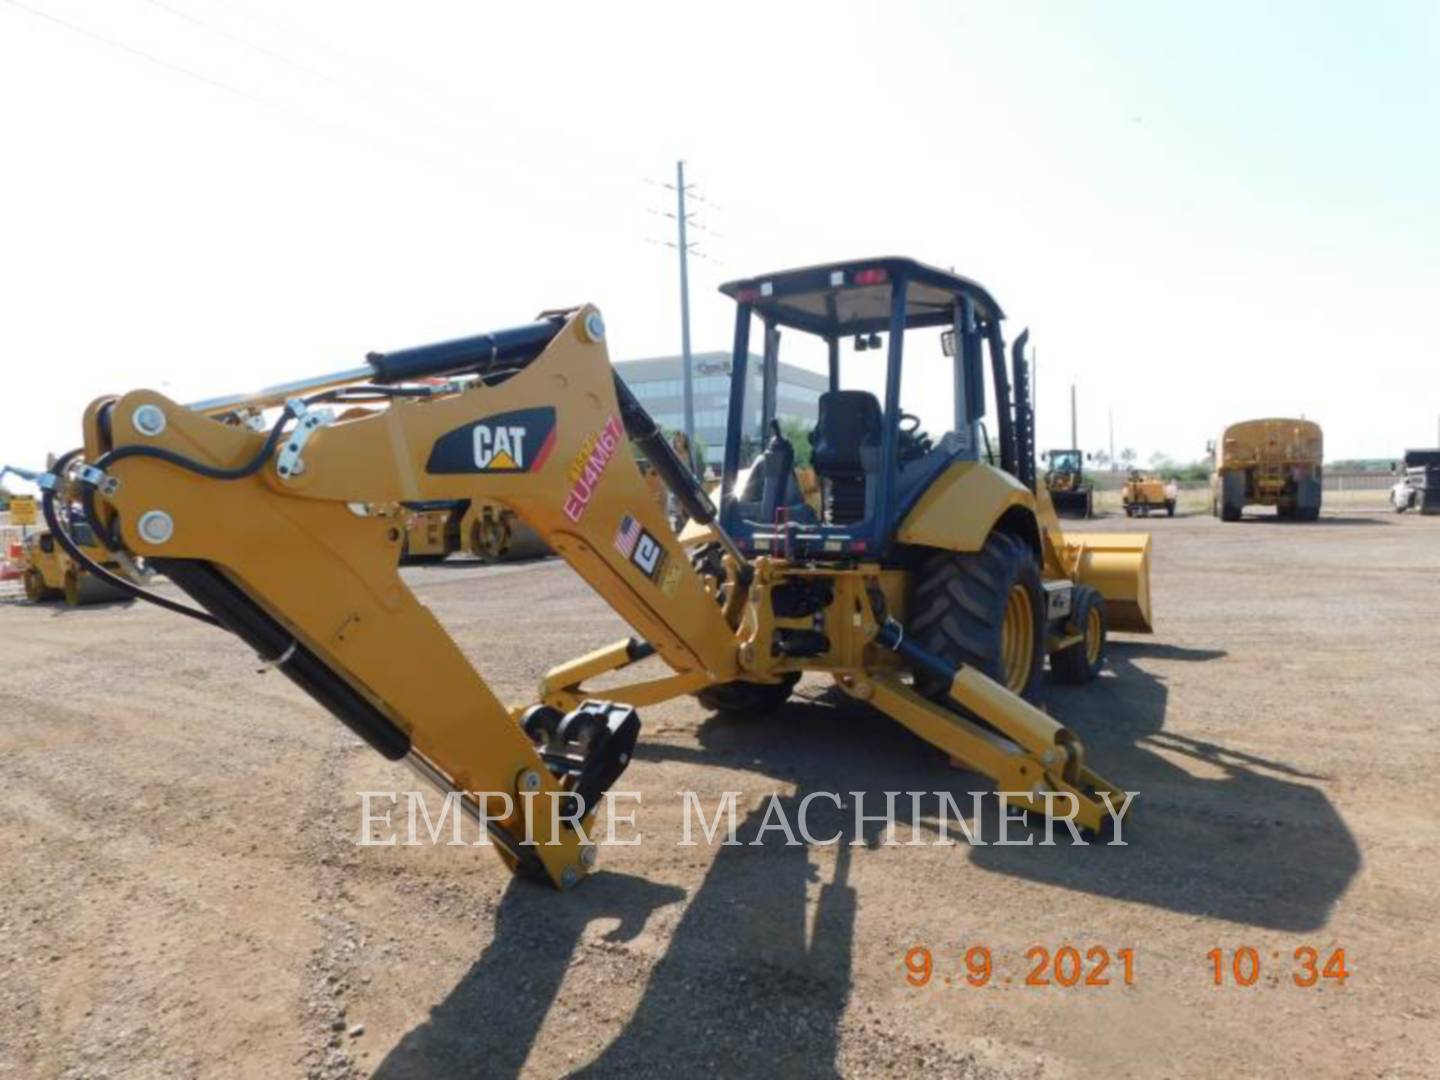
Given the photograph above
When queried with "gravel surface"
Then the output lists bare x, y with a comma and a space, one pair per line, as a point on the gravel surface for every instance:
183, 894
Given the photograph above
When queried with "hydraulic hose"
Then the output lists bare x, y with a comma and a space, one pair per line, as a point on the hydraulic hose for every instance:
641, 427
129, 588
213, 472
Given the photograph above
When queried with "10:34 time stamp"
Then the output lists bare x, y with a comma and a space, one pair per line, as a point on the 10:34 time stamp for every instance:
1097, 966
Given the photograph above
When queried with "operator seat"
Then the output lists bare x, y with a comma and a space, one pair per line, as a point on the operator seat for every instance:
845, 450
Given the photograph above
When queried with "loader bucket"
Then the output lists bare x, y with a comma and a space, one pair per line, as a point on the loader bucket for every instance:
1117, 565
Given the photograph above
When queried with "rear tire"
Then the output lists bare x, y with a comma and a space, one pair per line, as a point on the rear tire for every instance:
1232, 495
1080, 663
740, 698
973, 609
1307, 500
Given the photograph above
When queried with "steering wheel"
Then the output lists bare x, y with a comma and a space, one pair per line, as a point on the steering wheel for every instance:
912, 442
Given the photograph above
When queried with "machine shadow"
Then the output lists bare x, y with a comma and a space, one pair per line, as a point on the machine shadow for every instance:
487, 1025
1248, 840
1322, 520
762, 994
63, 610
1213, 832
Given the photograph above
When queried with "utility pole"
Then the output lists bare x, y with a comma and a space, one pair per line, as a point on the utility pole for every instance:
687, 378
1112, 440
1074, 435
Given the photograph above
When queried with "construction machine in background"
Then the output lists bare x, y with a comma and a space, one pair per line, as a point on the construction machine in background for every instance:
49, 573
435, 531
1270, 462
46, 571
1418, 485
931, 584
1144, 492
1070, 490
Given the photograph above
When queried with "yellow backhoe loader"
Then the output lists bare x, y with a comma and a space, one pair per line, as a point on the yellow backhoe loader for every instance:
932, 584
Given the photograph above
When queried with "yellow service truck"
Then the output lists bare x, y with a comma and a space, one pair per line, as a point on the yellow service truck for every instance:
1270, 462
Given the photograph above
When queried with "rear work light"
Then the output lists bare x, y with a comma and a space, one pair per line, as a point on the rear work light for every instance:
874, 276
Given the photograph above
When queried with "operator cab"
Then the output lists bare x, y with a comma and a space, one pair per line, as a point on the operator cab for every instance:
872, 459
1065, 461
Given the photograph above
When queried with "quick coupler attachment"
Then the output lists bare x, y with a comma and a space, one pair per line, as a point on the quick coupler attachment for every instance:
589, 746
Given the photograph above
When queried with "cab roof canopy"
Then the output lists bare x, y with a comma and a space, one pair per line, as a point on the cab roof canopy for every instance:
853, 297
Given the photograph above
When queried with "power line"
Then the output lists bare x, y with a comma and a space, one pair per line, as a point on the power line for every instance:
368, 65
302, 67
159, 61
262, 50
229, 88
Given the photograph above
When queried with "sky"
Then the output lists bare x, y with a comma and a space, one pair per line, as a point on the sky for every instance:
1203, 212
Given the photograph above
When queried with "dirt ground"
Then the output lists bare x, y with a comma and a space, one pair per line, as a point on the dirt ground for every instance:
183, 893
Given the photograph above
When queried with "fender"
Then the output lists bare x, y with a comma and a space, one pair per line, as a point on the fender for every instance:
962, 506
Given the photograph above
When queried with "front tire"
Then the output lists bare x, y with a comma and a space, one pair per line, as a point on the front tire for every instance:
985, 609
1081, 662
35, 589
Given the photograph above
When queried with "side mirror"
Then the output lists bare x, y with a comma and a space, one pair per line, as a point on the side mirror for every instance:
947, 342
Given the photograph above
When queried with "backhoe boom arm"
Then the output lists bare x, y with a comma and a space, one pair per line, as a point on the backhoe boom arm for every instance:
298, 556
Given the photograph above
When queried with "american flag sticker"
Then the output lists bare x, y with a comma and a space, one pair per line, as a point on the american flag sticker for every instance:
627, 536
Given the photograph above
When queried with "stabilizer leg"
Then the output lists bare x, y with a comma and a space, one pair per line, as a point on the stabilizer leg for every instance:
1034, 761
561, 688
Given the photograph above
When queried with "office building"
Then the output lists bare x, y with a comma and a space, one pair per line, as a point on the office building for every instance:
657, 383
